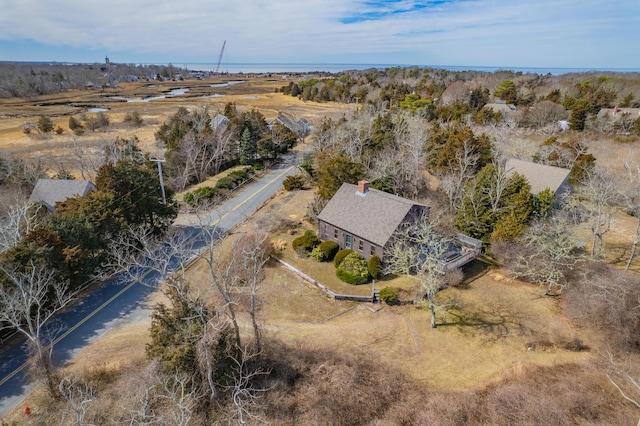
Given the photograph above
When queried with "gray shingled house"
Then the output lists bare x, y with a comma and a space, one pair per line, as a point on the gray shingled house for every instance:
300, 127
364, 219
51, 191
541, 176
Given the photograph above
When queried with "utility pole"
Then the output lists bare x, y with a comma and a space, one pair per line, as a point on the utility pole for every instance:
164, 197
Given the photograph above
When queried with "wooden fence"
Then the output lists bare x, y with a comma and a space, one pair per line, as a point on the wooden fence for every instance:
336, 296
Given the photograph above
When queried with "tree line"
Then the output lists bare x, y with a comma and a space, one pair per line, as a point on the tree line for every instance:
541, 100
29, 79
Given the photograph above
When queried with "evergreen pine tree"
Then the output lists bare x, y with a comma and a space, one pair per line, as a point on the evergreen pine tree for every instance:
247, 147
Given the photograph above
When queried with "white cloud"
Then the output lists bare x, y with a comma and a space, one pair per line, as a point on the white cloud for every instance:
546, 33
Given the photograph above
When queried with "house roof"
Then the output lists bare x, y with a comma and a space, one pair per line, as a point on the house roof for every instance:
298, 127
619, 112
501, 106
51, 191
218, 120
373, 216
540, 176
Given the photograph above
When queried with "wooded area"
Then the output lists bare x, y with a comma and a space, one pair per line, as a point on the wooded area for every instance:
438, 137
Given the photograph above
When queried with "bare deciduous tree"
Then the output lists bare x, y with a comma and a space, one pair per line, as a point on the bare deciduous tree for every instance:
245, 393
79, 396
631, 197
250, 253
459, 174
20, 218
418, 250
599, 193
624, 379
548, 255
28, 303
545, 113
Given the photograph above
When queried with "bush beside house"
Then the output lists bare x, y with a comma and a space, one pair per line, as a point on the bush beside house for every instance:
353, 269
339, 257
305, 243
326, 251
374, 265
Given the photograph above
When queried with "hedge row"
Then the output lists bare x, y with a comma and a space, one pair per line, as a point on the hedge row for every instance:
200, 195
230, 181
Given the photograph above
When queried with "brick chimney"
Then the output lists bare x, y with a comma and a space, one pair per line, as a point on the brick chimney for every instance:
363, 187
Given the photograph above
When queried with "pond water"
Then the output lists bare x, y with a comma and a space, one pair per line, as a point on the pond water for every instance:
97, 109
227, 83
177, 92
170, 93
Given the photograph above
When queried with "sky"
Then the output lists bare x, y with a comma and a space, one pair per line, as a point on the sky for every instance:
591, 34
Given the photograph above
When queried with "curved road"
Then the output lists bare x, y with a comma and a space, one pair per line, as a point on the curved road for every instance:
92, 315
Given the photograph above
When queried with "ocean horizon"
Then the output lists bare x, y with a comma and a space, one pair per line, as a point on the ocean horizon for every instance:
248, 68
264, 68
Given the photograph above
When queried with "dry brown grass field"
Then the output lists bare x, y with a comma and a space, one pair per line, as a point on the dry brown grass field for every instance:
55, 150
492, 328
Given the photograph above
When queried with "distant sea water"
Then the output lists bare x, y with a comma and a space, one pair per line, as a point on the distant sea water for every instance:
247, 68
262, 68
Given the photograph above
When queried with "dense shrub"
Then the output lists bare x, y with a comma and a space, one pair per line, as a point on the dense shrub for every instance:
388, 295
306, 242
133, 118
329, 250
225, 183
375, 267
238, 176
339, 257
75, 124
317, 254
45, 125
353, 269
199, 195
292, 183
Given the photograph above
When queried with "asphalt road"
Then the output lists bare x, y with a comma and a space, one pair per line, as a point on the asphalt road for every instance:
92, 315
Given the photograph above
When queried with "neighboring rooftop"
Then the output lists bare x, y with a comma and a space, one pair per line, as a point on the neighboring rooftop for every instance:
300, 127
370, 214
218, 121
540, 176
51, 191
501, 106
619, 112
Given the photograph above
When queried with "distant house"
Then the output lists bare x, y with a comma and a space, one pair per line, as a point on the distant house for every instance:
51, 191
130, 78
300, 127
616, 112
219, 122
364, 220
501, 106
541, 176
